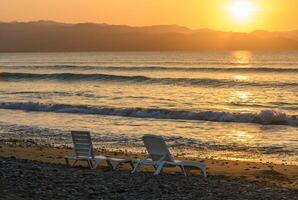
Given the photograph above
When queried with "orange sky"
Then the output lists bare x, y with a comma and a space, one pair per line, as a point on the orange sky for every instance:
268, 15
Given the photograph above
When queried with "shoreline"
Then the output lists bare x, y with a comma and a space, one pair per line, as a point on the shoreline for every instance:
265, 174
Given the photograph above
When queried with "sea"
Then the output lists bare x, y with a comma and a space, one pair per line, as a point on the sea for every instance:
235, 105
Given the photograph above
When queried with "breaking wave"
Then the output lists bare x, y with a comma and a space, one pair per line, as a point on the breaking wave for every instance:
266, 117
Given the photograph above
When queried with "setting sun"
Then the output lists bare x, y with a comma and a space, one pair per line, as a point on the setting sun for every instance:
242, 10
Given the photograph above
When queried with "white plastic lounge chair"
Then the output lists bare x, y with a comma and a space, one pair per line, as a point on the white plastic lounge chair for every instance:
159, 156
83, 150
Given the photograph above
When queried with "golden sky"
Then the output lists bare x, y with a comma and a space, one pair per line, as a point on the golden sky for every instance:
227, 15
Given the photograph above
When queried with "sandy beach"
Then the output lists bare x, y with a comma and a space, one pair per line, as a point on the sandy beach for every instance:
232, 179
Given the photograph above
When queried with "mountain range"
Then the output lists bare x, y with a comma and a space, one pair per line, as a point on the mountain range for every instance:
48, 36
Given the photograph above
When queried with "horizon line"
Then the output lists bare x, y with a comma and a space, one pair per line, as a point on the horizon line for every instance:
142, 26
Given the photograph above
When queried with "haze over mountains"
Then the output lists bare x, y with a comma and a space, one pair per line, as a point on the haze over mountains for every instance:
43, 36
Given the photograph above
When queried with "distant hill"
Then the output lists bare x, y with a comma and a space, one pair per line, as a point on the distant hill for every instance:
53, 36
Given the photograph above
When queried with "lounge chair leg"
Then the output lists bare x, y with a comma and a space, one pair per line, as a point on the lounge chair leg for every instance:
159, 168
155, 168
205, 174
96, 163
110, 164
132, 165
117, 166
187, 171
67, 161
90, 164
183, 170
137, 167
202, 168
73, 164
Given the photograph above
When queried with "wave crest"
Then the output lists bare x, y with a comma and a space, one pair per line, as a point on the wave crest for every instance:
207, 82
154, 68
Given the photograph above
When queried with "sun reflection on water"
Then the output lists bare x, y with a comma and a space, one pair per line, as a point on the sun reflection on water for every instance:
241, 57
239, 98
242, 136
242, 96
240, 77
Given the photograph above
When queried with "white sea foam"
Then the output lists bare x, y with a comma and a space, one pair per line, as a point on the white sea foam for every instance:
58, 137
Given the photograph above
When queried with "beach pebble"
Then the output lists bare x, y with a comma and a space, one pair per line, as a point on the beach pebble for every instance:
35, 167
34, 180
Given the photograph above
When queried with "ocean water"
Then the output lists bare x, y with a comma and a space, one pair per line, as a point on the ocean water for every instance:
228, 105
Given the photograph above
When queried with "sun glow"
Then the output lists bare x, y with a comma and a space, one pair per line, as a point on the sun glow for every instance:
242, 11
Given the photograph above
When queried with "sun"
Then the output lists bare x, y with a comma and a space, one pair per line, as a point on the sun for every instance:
242, 11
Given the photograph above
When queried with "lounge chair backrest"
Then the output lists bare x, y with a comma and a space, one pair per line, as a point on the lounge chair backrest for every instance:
82, 144
157, 148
